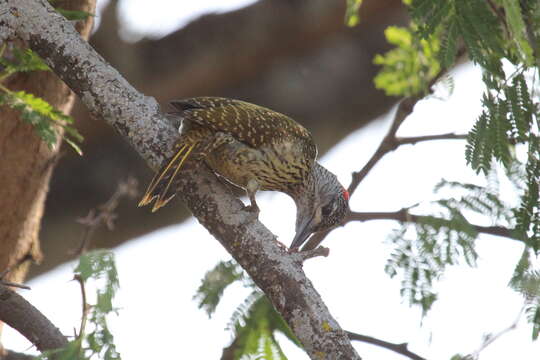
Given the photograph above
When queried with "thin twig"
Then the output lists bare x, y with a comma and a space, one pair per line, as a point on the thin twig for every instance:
391, 142
105, 213
17, 285
416, 139
7, 270
85, 305
19, 262
488, 340
12, 355
404, 215
398, 348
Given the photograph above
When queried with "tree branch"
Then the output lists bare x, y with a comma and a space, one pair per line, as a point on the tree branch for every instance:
491, 338
398, 348
404, 215
12, 355
416, 139
137, 118
390, 143
29, 321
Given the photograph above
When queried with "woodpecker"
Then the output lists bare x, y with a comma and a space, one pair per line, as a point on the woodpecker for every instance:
254, 148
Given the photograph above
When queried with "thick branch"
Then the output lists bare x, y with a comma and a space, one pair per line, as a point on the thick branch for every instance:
29, 321
403, 215
137, 118
398, 348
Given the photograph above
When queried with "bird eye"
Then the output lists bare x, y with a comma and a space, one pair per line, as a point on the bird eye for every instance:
327, 209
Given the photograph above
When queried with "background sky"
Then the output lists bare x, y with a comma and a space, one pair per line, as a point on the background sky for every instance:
159, 319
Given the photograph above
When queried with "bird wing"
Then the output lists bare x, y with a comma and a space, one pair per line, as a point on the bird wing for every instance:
251, 124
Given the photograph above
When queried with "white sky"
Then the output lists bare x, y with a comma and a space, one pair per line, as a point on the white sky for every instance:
157, 18
158, 318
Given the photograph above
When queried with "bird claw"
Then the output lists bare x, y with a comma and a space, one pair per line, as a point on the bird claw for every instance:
253, 210
293, 250
302, 256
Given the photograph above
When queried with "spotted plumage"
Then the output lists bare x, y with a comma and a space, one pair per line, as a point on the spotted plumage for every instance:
257, 149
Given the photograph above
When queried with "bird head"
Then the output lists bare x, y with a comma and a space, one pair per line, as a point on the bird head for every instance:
321, 204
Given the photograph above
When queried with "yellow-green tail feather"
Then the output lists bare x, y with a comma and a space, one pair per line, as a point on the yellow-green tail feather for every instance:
165, 177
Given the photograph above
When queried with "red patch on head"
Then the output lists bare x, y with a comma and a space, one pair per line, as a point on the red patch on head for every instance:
345, 194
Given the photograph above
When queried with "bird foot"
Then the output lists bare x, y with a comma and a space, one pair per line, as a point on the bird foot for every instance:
302, 256
253, 210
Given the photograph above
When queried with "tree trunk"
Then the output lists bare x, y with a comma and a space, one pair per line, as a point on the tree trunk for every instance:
26, 162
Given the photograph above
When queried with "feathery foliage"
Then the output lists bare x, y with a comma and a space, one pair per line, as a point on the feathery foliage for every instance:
423, 250
34, 110
491, 33
96, 341
526, 281
214, 284
408, 68
255, 329
254, 322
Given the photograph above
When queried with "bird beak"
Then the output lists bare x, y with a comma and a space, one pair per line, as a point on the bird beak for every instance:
302, 233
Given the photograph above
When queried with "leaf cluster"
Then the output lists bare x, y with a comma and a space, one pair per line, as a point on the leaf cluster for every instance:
98, 343
99, 265
422, 258
254, 322
34, 110
526, 281
214, 284
410, 66
423, 250
494, 34
493, 31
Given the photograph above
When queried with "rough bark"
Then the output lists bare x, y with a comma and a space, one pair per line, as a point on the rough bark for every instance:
29, 321
26, 162
137, 118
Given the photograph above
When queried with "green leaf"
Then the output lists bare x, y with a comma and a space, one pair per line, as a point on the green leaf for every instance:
422, 251
41, 107
99, 265
25, 60
408, 68
74, 146
430, 14
214, 284
517, 28
447, 54
352, 17
44, 118
74, 15
255, 330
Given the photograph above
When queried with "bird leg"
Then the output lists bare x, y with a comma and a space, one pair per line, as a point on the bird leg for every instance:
251, 189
